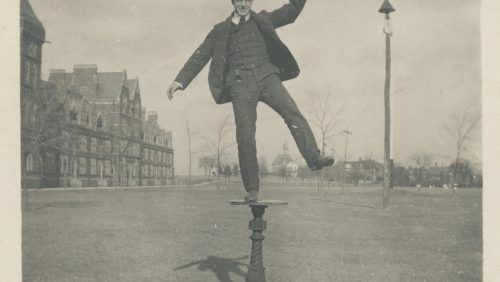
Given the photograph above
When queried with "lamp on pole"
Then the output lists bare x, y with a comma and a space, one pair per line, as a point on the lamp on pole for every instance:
386, 9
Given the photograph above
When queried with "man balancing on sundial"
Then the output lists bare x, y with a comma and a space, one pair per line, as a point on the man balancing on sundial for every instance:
249, 63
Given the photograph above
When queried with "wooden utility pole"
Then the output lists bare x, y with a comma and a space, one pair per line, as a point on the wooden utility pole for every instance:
347, 133
189, 134
387, 9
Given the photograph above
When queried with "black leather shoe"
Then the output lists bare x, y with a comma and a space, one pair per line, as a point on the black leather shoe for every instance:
252, 196
322, 162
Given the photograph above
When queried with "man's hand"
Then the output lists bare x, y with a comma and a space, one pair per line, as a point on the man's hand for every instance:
172, 88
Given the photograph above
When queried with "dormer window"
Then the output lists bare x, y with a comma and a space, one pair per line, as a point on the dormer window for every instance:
99, 121
72, 115
84, 119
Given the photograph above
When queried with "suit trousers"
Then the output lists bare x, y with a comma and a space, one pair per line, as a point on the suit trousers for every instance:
247, 88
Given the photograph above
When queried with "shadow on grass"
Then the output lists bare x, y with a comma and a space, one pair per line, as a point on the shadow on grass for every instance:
221, 267
69, 204
353, 204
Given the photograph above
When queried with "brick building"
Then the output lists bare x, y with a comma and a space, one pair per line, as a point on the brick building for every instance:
86, 128
32, 39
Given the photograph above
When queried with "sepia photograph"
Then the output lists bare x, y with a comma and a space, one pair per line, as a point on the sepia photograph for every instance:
251, 140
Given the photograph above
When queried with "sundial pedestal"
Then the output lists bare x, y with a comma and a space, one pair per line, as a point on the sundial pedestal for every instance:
256, 270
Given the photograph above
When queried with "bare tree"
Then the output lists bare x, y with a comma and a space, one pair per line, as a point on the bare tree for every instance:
207, 163
421, 160
460, 129
218, 143
326, 117
263, 169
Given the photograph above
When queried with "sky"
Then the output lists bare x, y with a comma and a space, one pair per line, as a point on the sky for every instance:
339, 46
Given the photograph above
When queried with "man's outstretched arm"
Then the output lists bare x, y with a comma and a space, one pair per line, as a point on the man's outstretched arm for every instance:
194, 65
287, 14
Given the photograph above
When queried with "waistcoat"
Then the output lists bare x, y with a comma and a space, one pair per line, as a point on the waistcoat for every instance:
246, 47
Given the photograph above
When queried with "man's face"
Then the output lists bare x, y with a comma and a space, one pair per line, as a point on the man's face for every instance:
242, 7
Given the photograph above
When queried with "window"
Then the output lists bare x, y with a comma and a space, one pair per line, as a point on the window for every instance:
83, 143
64, 164
99, 121
29, 163
107, 146
93, 145
82, 165
65, 136
27, 73
99, 168
93, 166
50, 162
73, 114
107, 167
33, 115
36, 51
84, 119
61, 163
34, 75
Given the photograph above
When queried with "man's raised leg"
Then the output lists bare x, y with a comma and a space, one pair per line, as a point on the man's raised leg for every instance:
275, 95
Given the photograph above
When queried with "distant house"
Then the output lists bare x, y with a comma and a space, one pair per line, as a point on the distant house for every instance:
428, 176
284, 165
360, 171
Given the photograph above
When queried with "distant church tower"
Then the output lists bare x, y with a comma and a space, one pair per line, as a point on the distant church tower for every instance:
284, 161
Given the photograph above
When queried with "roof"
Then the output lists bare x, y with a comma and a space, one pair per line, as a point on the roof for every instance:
110, 84
282, 159
133, 87
30, 22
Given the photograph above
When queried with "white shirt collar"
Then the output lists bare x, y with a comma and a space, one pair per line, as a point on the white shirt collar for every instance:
236, 18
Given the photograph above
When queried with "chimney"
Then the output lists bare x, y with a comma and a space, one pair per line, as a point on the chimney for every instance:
57, 71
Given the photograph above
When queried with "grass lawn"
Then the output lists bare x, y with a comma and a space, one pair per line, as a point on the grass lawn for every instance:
168, 234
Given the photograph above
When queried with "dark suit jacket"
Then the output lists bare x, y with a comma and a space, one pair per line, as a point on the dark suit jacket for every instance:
215, 46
